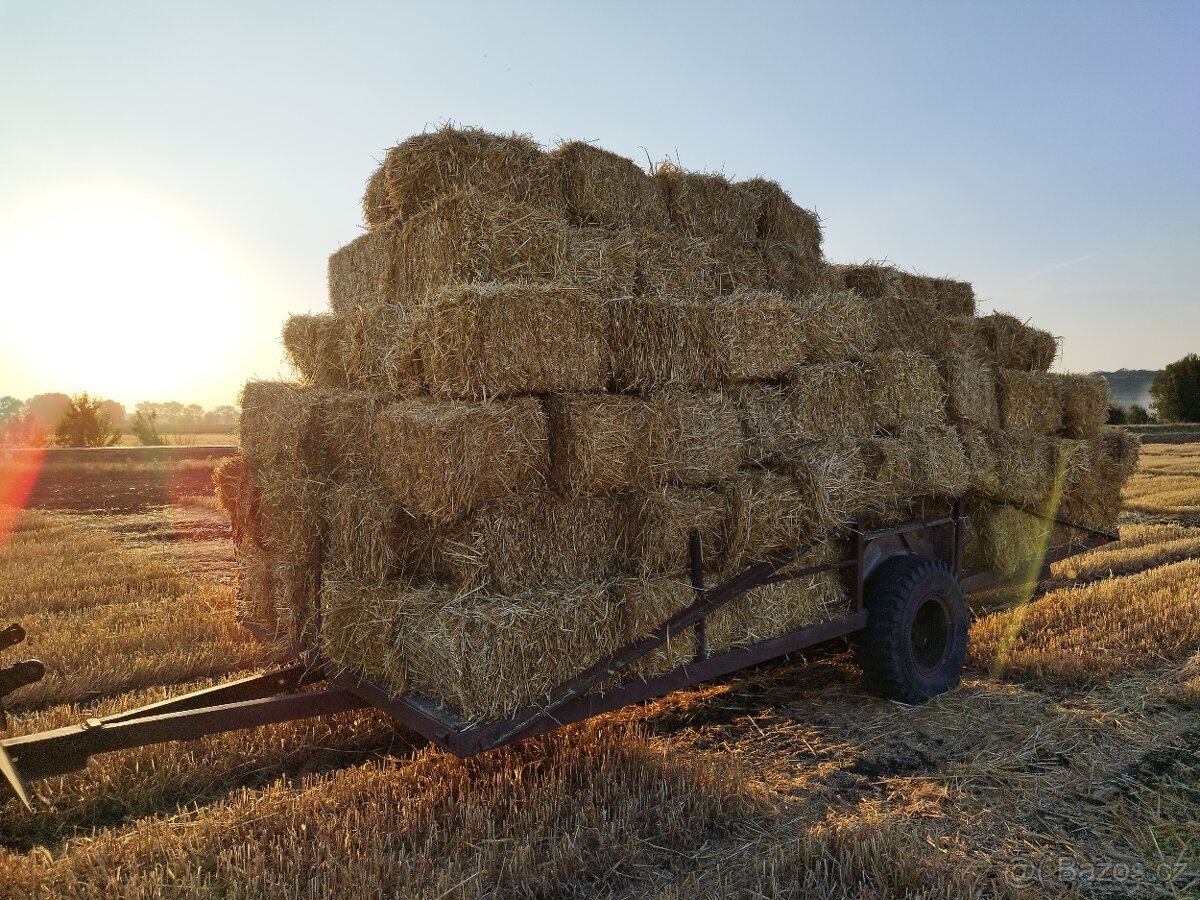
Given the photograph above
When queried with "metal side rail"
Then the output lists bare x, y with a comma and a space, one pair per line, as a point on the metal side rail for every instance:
264, 699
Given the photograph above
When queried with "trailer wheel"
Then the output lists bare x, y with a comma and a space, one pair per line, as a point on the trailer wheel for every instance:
915, 640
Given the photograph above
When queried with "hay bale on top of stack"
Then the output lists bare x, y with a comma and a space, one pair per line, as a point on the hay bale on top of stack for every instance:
541, 371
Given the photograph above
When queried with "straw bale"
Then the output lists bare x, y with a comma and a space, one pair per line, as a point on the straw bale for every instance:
822, 402
441, 459
604, 443
1003, 539
739, 265
949, 297
1084, 404
770, 512
255, 602
657, 341
602, 262
1008, 343
368, 270
357, 628
602, 188
237, 493
675, 266
889, 464
276, 424
775, 609
656, 528
792, 270
531, 541
489, 340
315, 345
838, 325
424, 168
904, 389
380, 354
1095, 477
344, 424
645, 603
840, 472
469, 236
1025, 467
970, 387
981, 460
939, 463
376, 203
368, 535
709, 205
781, 219
486, 656
1029, 401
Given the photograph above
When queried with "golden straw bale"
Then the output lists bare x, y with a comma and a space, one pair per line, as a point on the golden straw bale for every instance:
793, 271
739, 265
376, 203
709, 205
424, 168
657, 341
441, 459
981, 460
1029, 401
370, 536
950, 297
276, 425
822, 402
602, 188
604, 443
911, 314
675, 266
486, 656
770, 512
1084, 404
380, 354
533, 540
645, 603
656, 528
237, 493
1095, 476
889, 464
1025, 467
904, 389
775, 609
315, 345
357, 628
254, 605
970, 387
939, 463
1008, 343
871, 281
368, 270
781, 219
838, 325
344, 424
1002, 539
469, 236
602, 262
489, 340
840, 470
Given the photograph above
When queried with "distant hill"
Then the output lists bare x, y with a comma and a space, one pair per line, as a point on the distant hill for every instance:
1128, 386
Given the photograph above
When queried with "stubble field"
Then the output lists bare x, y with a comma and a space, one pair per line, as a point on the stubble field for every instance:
1066, 764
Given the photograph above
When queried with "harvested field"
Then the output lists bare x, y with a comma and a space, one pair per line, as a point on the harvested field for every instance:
785, 781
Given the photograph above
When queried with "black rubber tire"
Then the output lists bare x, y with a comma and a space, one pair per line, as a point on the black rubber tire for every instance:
915, 640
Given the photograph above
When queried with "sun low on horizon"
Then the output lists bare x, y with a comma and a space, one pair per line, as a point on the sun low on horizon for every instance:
123, 298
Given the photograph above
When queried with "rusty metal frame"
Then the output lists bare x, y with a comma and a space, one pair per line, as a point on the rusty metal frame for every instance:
290, 693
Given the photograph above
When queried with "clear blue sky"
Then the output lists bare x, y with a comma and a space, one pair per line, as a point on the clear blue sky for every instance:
1047, 152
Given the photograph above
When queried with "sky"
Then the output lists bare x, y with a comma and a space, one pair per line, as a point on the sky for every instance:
174, 176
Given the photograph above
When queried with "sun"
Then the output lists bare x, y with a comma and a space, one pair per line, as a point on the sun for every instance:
119, 301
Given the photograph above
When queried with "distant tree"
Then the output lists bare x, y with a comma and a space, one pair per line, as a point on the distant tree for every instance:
220, 419
85, 425
1176, 391
21, 430
115, 412
144, 427
48, 410
1116, 414
1137, 414
9, 407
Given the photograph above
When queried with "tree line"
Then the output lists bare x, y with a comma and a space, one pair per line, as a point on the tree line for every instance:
82, 420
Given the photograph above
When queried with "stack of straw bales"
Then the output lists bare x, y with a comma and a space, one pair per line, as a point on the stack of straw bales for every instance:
541, 371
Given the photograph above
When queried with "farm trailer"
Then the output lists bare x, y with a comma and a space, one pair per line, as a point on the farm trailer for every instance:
907, 616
